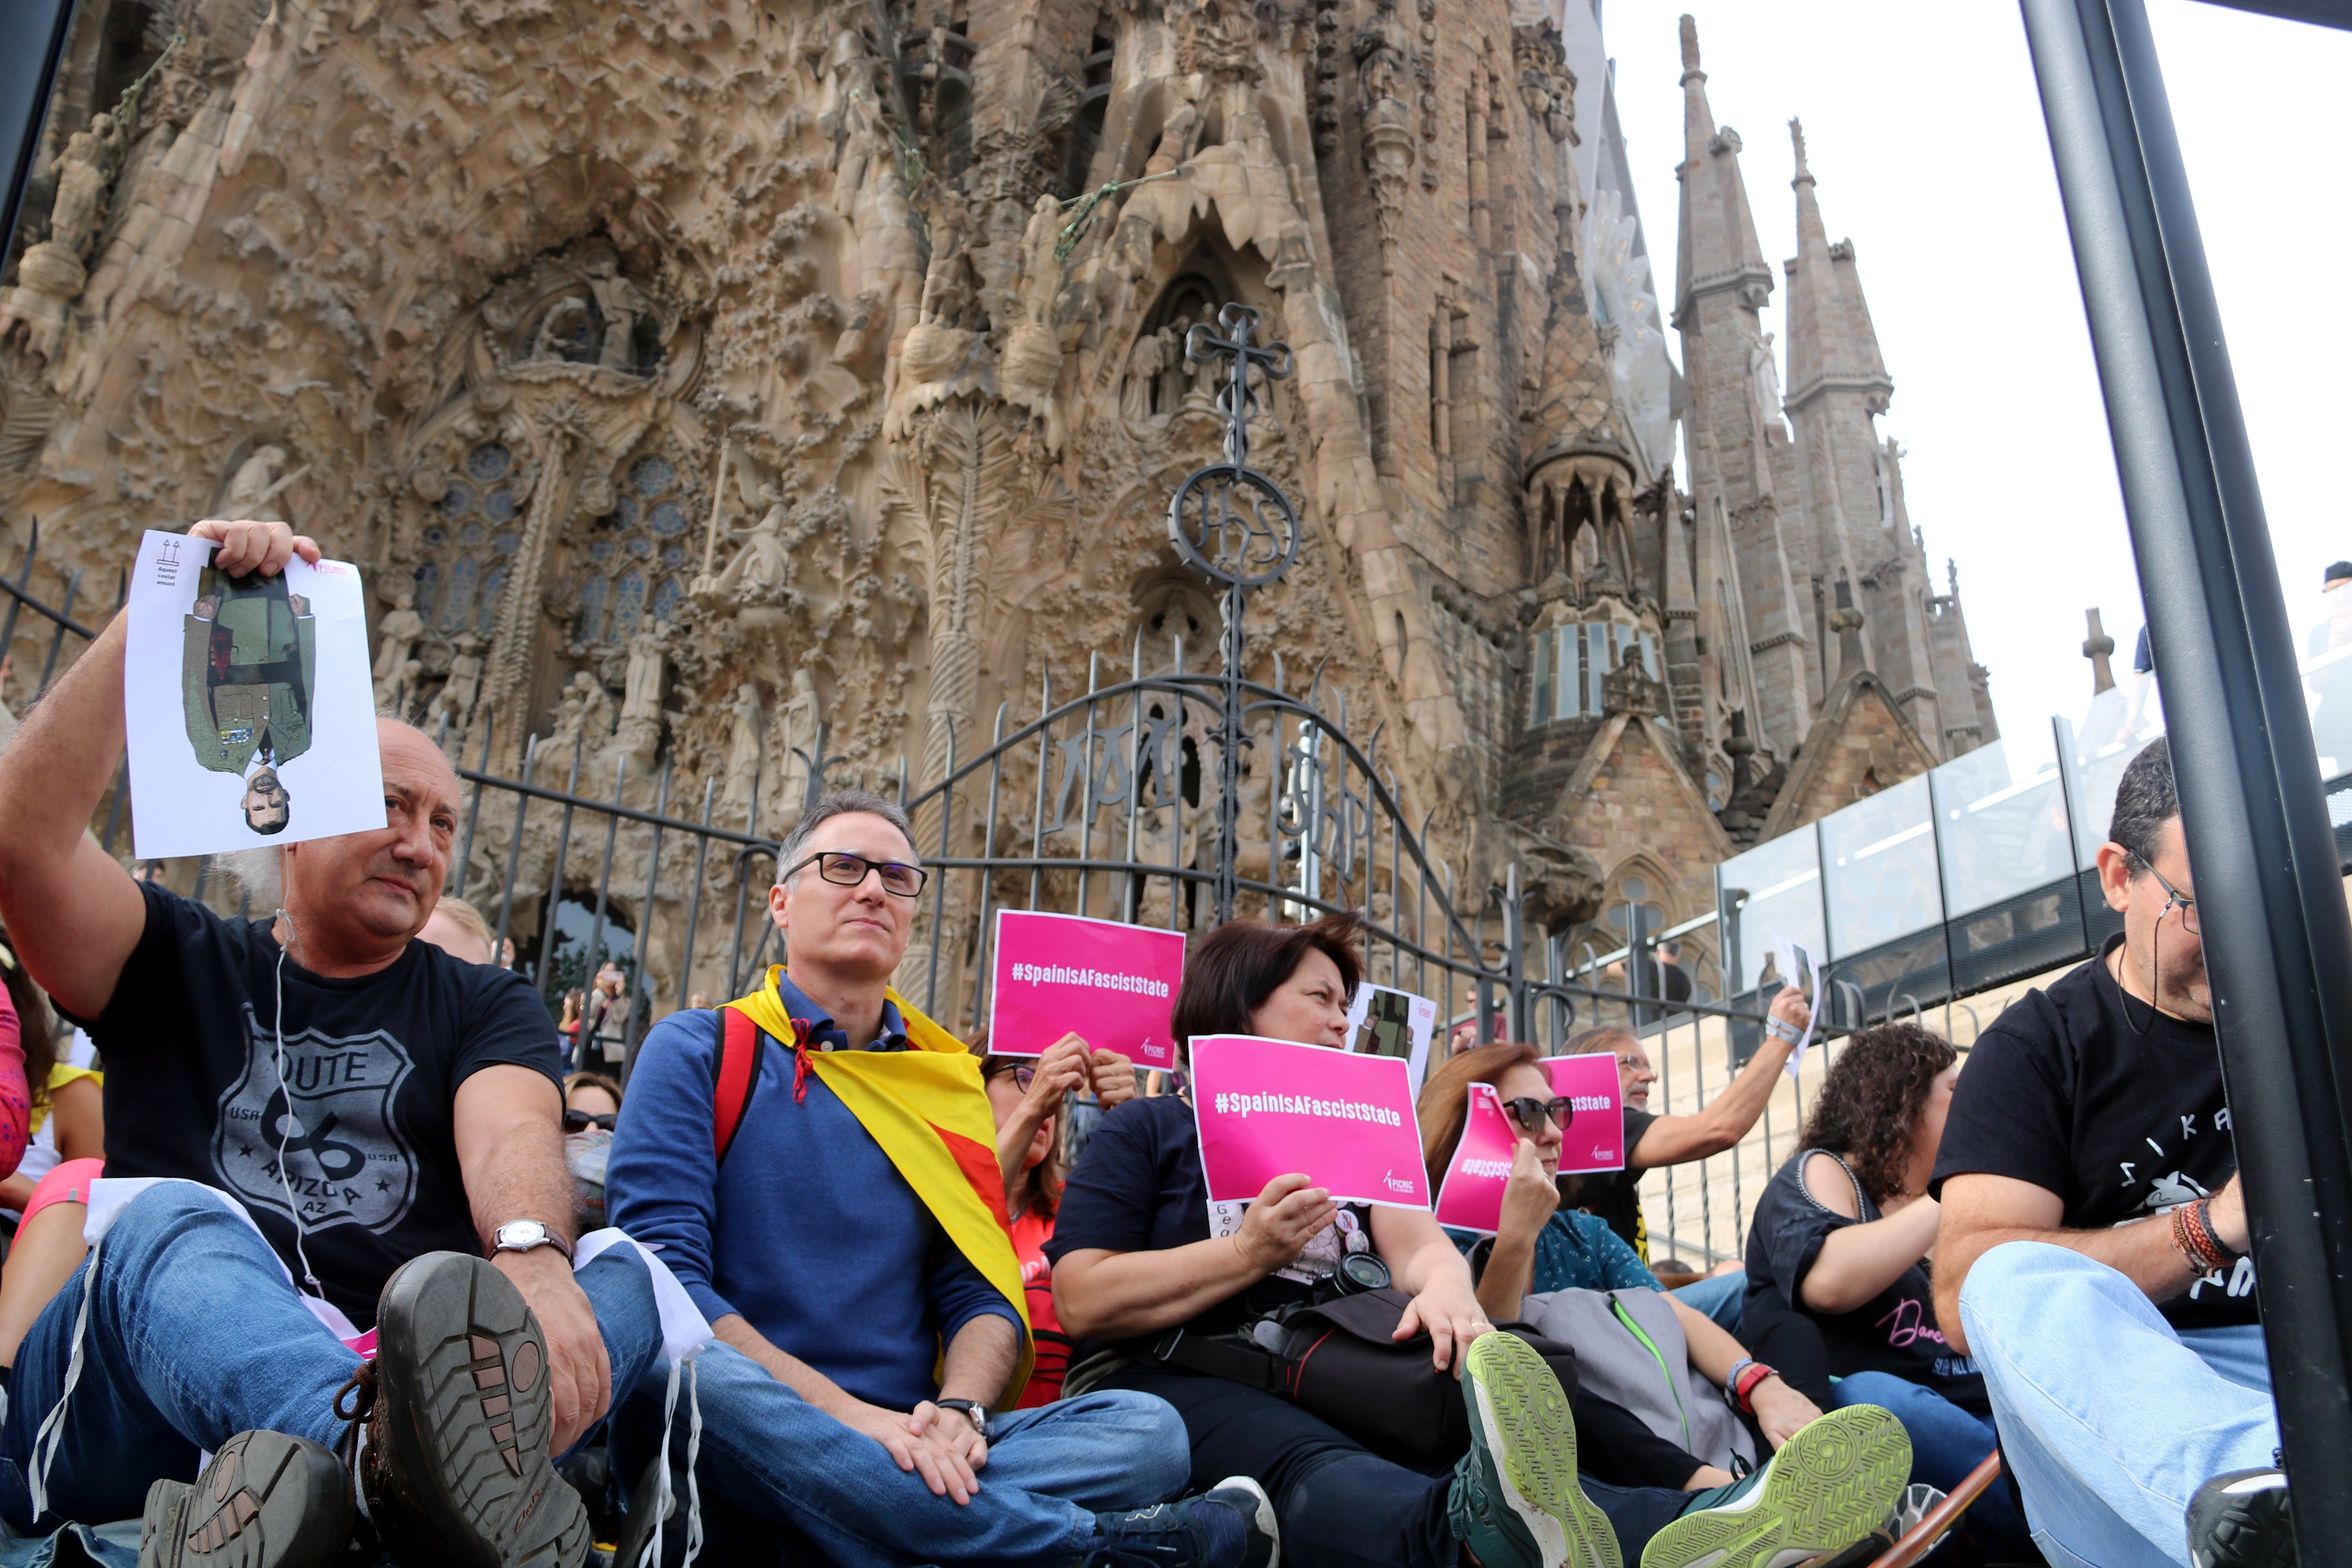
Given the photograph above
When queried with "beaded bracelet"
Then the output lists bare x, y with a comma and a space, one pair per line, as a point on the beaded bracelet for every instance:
2185, 1241
2202, 1210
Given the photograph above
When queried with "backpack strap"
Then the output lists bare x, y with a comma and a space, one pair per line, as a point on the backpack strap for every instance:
741, 1043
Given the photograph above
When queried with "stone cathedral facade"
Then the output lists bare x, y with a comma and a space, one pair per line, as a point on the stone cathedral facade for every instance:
691, 375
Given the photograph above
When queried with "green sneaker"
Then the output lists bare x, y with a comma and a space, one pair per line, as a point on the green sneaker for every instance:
1830, 1486
1515, 1502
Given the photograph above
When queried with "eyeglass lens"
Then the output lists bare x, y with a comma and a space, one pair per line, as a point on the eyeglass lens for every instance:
847, 870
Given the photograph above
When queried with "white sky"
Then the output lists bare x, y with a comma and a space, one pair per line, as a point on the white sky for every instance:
1924, 132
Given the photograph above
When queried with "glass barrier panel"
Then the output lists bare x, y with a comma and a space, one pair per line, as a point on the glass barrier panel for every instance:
2117, 724
1772, 891
2001, 821
1879, 870
2328, 682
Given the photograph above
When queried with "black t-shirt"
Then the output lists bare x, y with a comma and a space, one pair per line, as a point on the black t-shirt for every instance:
1895, 1330
1138, 1187
192, 1087
1616, 1195
2065, 1093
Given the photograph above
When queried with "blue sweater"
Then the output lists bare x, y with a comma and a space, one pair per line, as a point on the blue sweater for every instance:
808, 1231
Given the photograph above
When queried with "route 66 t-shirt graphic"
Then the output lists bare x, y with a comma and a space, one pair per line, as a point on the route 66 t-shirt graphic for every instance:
349, 1125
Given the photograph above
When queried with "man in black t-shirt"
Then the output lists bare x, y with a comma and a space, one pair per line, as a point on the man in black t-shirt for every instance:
313, 1097
2093, 1239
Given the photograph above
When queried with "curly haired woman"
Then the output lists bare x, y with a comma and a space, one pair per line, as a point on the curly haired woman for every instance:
1841, 1237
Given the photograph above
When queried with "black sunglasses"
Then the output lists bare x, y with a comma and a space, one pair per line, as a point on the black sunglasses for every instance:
1528, 1113
581, 1120
843, 870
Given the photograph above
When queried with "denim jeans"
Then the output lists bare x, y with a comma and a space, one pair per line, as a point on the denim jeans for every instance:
1717, 1298
1946, 1443
194, 1335
791, 1473
2109, 1417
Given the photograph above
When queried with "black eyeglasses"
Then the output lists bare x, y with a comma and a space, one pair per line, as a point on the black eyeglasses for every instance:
846, 870
1530, 1112
2175, 899
581, 1120
1024, 1074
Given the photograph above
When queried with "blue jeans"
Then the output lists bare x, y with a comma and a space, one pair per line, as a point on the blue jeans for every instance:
196, 1335
784, 1475
1717, 1298
2108, 1416
1946, 1443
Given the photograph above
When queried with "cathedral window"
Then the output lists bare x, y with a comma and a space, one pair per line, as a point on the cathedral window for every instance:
635, 560
1568, 662
1086, 124
469, 545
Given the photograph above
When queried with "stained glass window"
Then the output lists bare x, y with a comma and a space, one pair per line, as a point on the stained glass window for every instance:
470, 543
633, 562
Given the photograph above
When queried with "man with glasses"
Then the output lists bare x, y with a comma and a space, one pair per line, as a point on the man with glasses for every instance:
817, 1163
2092, 1254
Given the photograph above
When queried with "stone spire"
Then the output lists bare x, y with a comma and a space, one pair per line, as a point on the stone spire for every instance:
1717, 248
1832, 343
2098, 647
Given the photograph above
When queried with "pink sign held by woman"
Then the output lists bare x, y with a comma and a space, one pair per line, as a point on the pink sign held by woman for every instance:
1267, 1108
1594, 1138
1112, 983
1472, 1197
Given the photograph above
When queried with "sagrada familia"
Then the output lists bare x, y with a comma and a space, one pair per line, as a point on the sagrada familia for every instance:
687, 373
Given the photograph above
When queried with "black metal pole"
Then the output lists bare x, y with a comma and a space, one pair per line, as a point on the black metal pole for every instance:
2278, 945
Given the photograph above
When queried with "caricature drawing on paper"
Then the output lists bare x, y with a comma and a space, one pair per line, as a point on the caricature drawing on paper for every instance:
249, 671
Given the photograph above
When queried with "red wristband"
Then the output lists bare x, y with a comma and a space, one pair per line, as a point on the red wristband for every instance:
1748, 1378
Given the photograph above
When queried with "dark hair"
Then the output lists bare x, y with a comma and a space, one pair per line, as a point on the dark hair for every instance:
2335, 573
1444, 1107
33, 1030
1872, 1099
833, 804
270, 830
2144, 801
1045, 1181
1241, 963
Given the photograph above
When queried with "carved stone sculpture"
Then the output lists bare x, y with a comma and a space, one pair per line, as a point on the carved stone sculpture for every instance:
649, 661
82, 172
1145, 361
396, 637
621, 302
800, 725
257, 482
761, 571
462, 688
742, 748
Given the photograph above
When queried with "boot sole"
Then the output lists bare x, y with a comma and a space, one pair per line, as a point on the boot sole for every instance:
1521, 1418
462, 1367
265, 1500
1830, 1486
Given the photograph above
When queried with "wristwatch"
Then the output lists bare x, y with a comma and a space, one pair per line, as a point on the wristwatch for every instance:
527, 1235
969, 1408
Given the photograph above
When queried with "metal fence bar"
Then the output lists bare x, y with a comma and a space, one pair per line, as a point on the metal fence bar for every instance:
555, 877
474, 810
524, 796
694, 904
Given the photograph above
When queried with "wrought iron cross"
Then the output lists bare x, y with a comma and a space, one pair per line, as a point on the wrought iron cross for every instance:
1228, 522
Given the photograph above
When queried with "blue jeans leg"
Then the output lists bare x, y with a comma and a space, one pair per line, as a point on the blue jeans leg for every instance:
2108, 1419
620, 1289
1105, 1451
194, 1333
1719, 1298
1946, 1443
772, 1455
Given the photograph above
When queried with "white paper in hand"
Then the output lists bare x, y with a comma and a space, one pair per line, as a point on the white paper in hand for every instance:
248, 704
1787, 953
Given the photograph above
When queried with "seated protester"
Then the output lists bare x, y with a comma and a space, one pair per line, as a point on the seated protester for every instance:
1026, 1096
2091, 1255
815, 1161
592, 1105
33, 1084
1838, 1237
1654, 1141
1138, 1252
458, 929
422, 1105
591, 1101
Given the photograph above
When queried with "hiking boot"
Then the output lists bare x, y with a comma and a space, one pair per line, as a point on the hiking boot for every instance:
450, 1425
1830, 1486
1231, 1525
2241, 1519
267, 1500
1515, 1502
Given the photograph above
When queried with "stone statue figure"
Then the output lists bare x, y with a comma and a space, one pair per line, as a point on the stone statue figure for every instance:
761, 570
641, 694
555, 328
1766, 377
397, 634
1145, 360
258, 478
742, 747
1177, 138
82, 173
801, 721
621, 303
464, 688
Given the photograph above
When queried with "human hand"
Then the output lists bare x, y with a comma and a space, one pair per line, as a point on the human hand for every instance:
2228, 1213
1450, 1313
1114, 1079
298, 603
1530, 1197
1065, 1065
1284, 1217
581, 1377
206, 608
1792, 1008
247, 546
1780, 1410
955, 1431
929, 1451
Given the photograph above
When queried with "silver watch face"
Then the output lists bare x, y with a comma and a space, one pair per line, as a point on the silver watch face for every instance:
522, 1233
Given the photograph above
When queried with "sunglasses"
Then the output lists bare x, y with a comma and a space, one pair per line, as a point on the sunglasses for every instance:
846, 870
1530, 1112
581, 1120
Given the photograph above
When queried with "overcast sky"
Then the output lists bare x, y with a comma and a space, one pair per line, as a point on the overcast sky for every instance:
1926, 135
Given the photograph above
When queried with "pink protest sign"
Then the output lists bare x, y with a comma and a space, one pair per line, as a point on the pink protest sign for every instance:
1595, 1139
1472, 1198
1266, 1108
1114, 983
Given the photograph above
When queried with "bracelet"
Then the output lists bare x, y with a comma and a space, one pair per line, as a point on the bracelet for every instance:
1748, 1381
2203, 1211
2184, 1243
1781, 1029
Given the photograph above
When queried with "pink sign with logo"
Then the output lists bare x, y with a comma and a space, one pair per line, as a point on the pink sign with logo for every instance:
1114, 983
1267, 1108
1595, 1139
1472, 1197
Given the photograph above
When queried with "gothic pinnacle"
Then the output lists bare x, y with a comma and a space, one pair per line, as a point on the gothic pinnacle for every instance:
1690, 48
1797, 135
